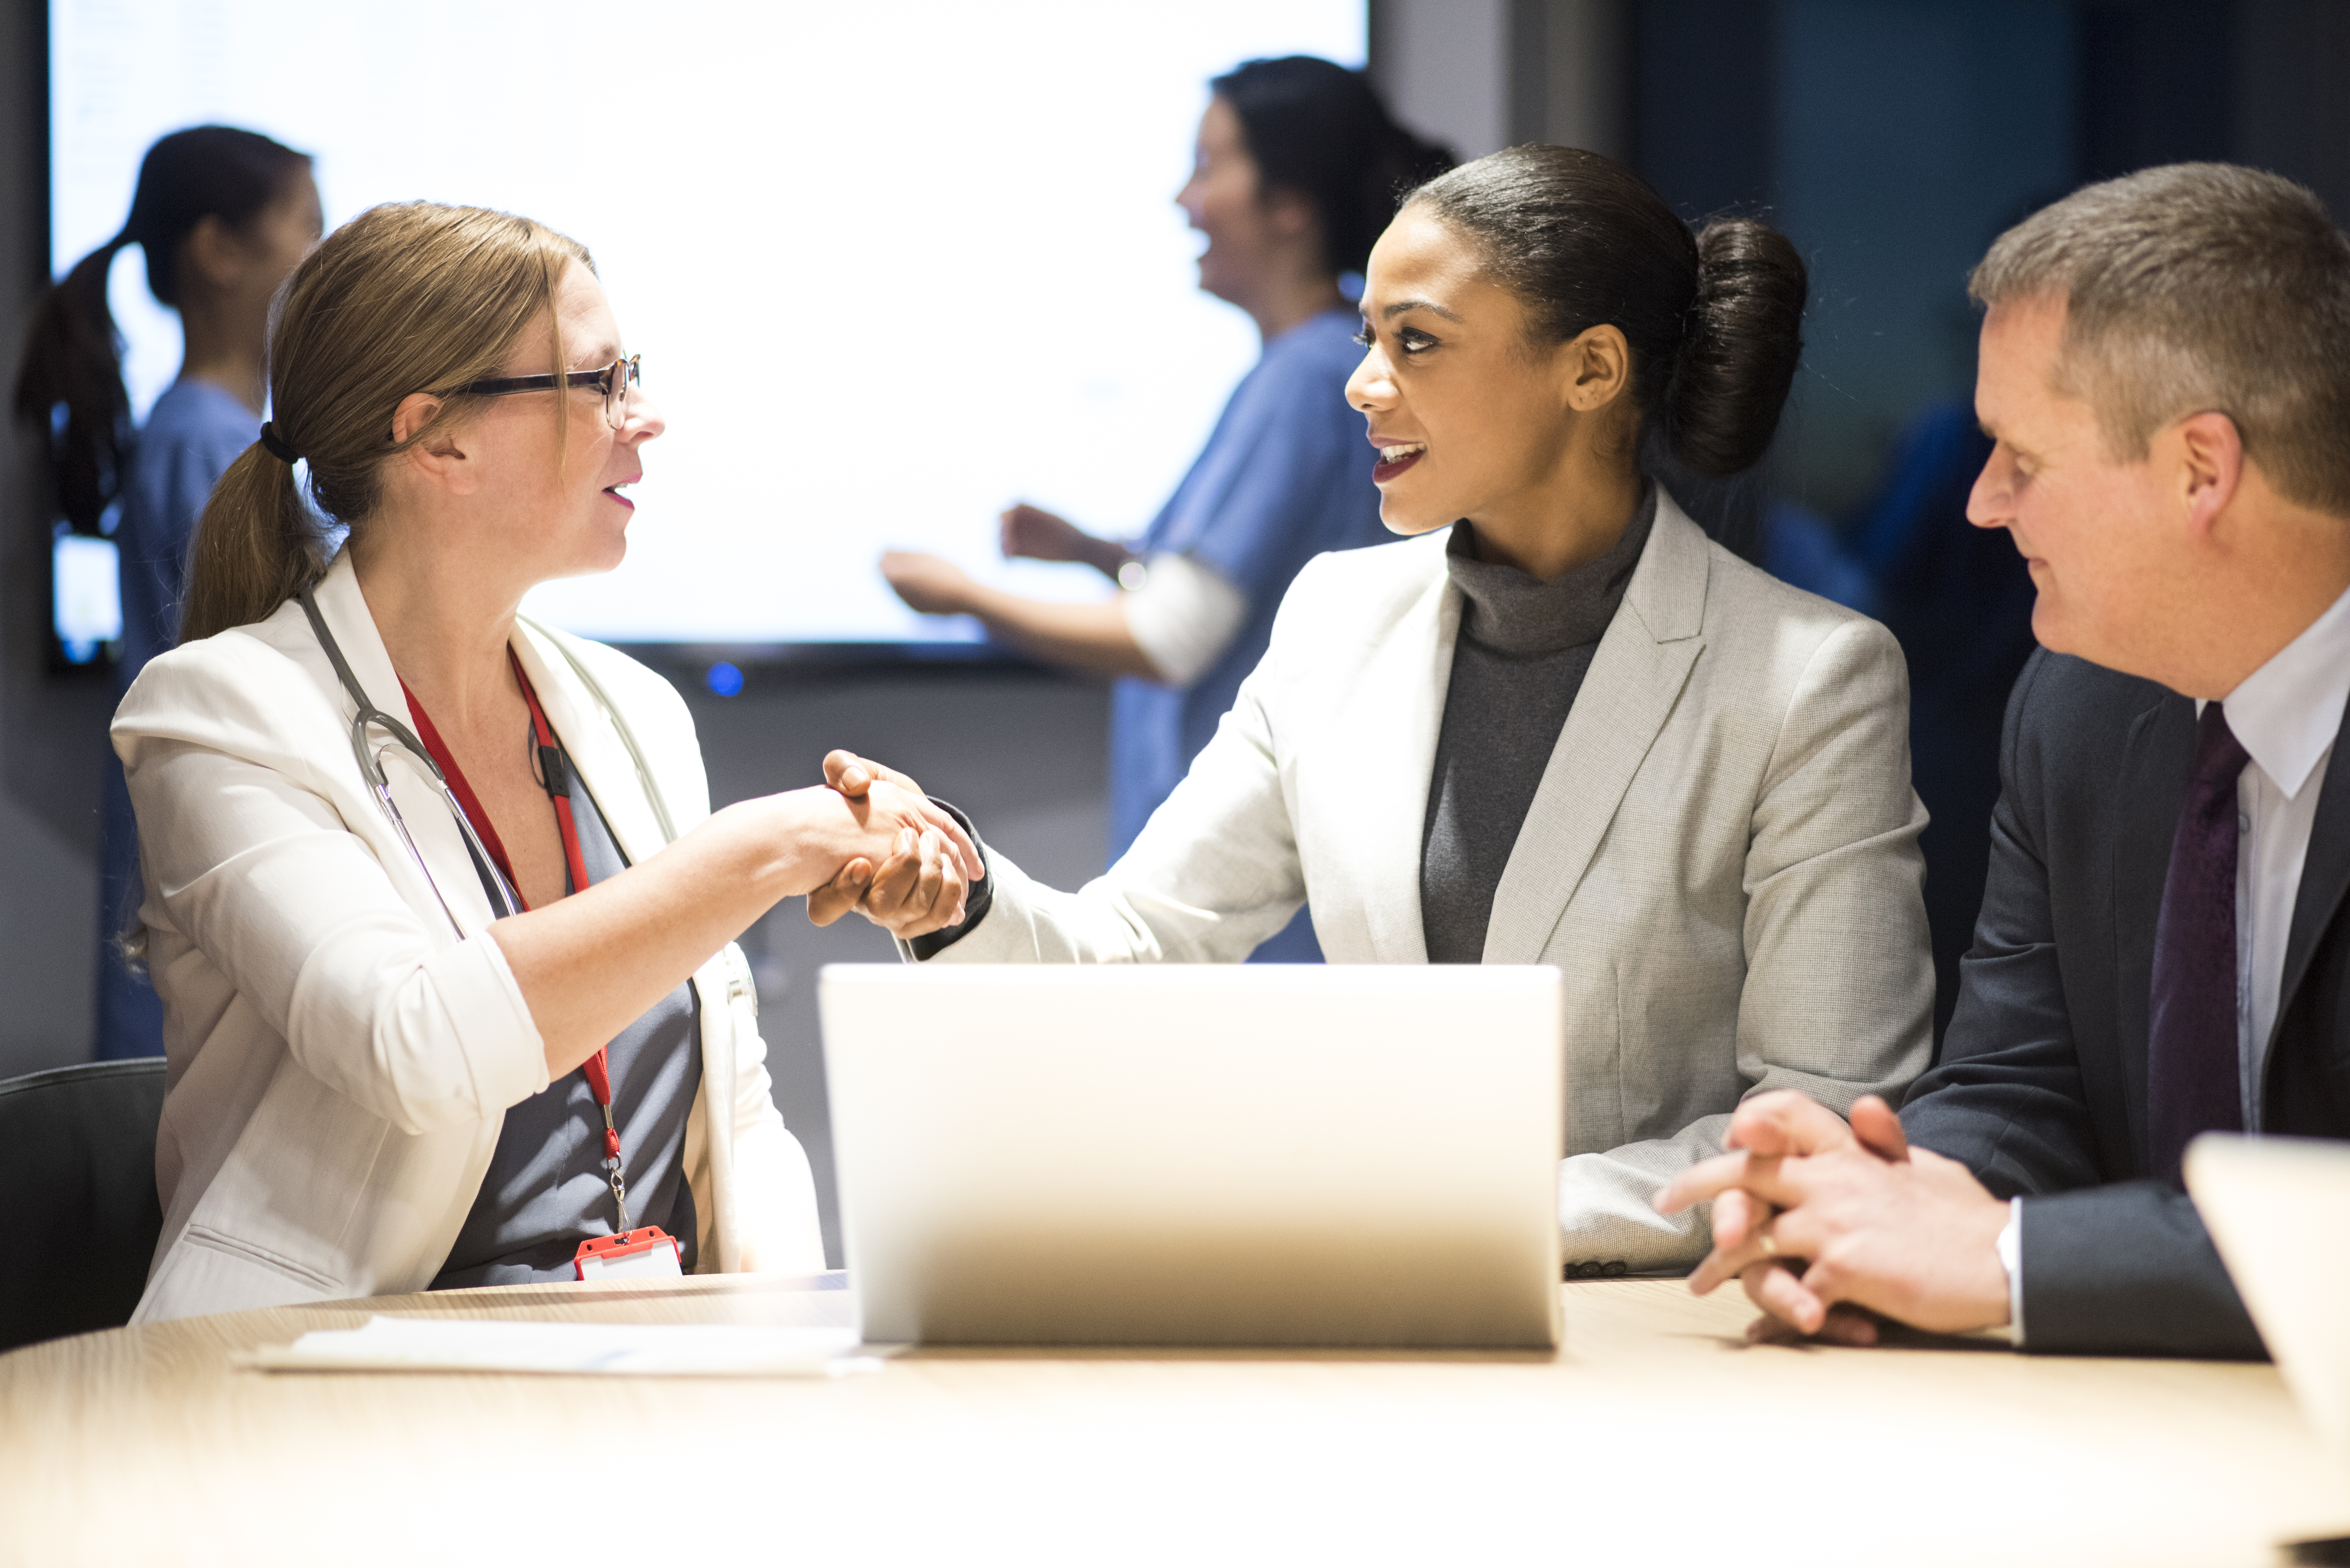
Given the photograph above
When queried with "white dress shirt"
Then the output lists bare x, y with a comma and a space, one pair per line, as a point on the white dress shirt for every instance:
2286, 714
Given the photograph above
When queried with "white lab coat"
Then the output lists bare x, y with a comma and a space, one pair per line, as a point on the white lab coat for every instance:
342, 1058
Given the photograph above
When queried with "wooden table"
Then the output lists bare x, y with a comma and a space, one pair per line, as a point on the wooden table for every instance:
1657, 1435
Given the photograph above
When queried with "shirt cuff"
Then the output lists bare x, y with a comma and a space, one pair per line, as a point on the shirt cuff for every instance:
2010, 1258
975, 903
1182, 615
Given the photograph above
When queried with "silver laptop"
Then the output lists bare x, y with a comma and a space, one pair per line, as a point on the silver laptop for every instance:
1244, 1155
2274, 1206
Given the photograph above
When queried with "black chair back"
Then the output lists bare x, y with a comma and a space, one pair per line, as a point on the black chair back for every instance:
81, 1142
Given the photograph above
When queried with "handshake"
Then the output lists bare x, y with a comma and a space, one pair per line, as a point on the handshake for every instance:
911, 865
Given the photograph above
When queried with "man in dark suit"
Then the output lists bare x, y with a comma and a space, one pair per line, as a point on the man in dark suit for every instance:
2163, 949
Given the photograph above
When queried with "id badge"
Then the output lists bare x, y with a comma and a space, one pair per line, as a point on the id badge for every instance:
650, 1252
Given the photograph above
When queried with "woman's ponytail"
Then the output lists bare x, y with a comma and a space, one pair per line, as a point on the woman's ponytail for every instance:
257, 544
1738, 356
70, 383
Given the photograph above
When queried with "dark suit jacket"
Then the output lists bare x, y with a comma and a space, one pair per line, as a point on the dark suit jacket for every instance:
2041, 1086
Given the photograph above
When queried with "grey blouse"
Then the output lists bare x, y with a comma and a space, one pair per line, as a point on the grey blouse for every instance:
545, 1191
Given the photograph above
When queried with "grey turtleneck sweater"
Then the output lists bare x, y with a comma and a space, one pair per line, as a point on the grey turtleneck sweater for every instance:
1524, 647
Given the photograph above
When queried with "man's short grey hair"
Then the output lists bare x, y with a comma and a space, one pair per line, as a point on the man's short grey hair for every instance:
2198, 286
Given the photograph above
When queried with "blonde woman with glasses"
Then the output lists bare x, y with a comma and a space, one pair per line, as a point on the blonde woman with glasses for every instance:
441, 918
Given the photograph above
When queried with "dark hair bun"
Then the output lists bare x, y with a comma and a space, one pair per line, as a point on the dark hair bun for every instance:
1714, 320
1738, 359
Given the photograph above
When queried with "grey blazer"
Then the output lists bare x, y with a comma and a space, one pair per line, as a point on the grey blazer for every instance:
1721, 855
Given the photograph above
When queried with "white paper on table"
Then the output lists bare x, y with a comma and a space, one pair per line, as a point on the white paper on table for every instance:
462, 1345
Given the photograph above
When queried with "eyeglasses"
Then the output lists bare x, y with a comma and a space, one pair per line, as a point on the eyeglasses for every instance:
613, 380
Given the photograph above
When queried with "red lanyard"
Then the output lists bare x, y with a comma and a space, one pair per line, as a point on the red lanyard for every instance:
555, 773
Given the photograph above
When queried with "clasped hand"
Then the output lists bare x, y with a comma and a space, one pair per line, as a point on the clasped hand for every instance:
1826, 1223
920, 885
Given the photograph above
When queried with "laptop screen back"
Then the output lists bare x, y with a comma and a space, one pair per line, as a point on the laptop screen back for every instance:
1224, 1154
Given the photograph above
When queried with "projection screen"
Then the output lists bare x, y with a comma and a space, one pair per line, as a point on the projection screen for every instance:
890, 268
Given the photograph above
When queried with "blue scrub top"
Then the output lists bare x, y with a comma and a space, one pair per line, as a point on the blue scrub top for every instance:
1285, 476
195, 431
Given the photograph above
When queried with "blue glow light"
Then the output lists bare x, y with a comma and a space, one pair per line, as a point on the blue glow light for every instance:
86, 599
725, 678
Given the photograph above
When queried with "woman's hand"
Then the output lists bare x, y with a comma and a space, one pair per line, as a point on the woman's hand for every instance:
918, 878
918, 887
1092, 636
588, 963
930, 584
1041, 535
1036, 534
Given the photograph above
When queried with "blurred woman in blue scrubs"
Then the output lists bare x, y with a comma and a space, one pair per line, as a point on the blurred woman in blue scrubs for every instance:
224, 216
1297, 170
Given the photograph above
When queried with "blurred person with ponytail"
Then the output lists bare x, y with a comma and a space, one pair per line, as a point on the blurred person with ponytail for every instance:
1297, 169
440, 917
1556, 724
221, 216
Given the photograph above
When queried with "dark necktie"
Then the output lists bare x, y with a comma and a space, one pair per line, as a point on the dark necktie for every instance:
2193, 1082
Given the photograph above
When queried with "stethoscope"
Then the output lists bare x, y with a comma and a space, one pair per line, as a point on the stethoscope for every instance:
370, 756
370, 760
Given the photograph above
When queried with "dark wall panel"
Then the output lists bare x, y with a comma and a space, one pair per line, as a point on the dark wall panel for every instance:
1704, 129
2293, 94
1906, 137
2157, 83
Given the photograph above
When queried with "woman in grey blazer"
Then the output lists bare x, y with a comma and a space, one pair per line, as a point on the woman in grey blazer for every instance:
1556, 724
